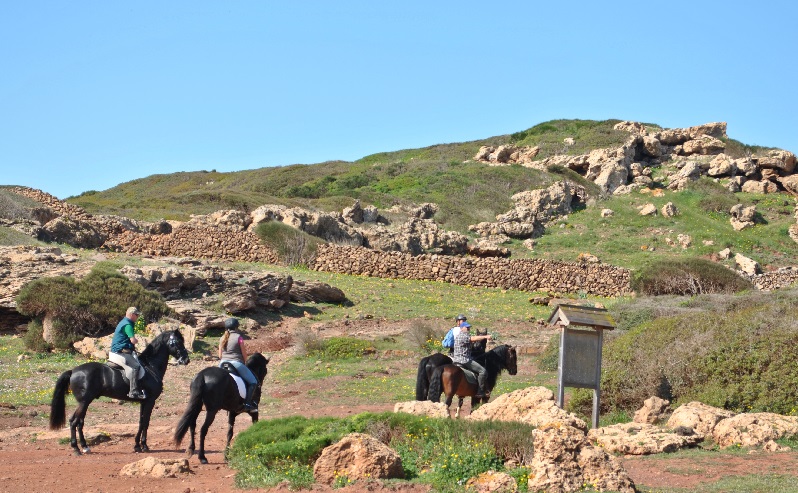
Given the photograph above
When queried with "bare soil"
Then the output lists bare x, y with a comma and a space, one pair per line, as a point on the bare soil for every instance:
33, 459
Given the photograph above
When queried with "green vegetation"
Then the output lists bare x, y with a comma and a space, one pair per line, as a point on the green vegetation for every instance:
689, 276
587, 134
28, 380
440, 452
294, 247
725, 351
86, 307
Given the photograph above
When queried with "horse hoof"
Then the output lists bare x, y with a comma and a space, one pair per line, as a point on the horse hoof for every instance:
76, 452
86, 450
203, 461
137, 449
145, 448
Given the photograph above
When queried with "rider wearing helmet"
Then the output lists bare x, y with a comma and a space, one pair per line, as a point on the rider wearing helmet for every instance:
231, 350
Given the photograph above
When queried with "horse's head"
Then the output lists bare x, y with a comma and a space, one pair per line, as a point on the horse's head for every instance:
511, 360
257, 365
177, 349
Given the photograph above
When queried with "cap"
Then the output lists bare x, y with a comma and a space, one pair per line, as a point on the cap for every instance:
466, 325
460, 317
132, 311
231, 324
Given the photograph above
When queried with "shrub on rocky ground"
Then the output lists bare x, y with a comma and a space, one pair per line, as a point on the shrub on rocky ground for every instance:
88, 307
689, 276
725, 351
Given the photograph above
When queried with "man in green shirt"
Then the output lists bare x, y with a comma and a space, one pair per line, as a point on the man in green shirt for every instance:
123, 351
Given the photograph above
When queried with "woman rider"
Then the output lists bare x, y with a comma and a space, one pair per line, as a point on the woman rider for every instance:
231, 350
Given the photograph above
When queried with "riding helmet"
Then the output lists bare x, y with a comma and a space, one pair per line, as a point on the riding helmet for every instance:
460, 317
231, 324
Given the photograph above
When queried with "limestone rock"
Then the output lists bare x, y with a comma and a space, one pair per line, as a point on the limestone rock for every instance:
669, 210
422, 408
747, 265
765, 186
754, 429
607, 212
640, 439
156, 468
315, 291
783, 161
652, 411
74, 232
492, 481
357, 456
648, 210
533, 405
697, 416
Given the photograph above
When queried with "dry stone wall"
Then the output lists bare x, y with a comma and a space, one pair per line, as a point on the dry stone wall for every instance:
198, 242
521, 274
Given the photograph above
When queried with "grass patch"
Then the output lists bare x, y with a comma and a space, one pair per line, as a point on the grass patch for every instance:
441, 452
30, 381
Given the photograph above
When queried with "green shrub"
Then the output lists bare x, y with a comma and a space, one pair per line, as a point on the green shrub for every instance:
714, 197
34, 337
424, 337
725, 351
89, 307
688, 276
441, 452
343, 348
550, 358
294, 247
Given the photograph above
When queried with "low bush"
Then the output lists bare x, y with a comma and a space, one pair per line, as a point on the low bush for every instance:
424, 337
294, 247
688, 276
441, 452
714, 196
342, 348
725, 351
89, 307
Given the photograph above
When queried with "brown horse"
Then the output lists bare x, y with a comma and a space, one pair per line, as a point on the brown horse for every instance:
451, 379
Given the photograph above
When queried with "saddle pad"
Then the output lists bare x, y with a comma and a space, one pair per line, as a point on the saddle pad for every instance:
470, 376
242, 388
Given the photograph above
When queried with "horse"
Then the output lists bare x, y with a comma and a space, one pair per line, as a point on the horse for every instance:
217, 389
428, 364
92, 380
451, 379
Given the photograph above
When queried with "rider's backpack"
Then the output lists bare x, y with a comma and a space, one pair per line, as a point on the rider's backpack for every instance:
448, 339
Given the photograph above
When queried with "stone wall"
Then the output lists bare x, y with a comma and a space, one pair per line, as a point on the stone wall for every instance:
782, 278
198, 242
521, 274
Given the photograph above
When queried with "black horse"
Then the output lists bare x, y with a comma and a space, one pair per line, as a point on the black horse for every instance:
428, 364
451, 379
216, 389
92, 380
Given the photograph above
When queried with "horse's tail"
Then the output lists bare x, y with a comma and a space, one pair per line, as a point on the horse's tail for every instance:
192, 410
422, 383
58, 404
436, 384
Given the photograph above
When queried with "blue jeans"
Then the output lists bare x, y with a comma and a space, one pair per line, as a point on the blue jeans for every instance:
242, 369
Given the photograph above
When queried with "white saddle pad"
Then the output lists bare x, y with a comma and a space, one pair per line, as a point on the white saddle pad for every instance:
242, 388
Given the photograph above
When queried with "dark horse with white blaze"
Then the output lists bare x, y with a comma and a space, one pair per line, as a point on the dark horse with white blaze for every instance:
451, 379
92, 380
215, 388
428, 364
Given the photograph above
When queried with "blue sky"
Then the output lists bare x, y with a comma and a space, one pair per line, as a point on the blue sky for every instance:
93, 94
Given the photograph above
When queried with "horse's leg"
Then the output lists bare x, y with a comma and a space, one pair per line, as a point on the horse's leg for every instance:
76, 428
210, 414
144, 422
459, 405
192, 428
231, 421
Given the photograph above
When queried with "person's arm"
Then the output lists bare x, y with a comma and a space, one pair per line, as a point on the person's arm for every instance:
243, 349
131, 334
220, 348
479, 338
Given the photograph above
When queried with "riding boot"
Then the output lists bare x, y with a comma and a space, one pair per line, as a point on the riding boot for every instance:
248, 404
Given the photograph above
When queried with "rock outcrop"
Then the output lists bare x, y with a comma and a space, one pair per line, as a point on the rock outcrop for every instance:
356, 457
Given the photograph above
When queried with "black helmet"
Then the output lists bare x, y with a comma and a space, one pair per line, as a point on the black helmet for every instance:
460, 317
231, 324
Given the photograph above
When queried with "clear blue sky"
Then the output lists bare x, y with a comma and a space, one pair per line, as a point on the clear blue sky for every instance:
93, 94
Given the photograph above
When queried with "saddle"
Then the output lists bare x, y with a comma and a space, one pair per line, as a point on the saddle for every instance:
242, 387
120, 368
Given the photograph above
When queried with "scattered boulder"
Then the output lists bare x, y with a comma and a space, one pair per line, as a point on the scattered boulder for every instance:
422, 408
315, 291
492, 481
669, 210
74, 232
648, 210
747, 265
641, 439
754, 429
533, 405
698, 416
607, 212
156, 468
357, 456
653, 410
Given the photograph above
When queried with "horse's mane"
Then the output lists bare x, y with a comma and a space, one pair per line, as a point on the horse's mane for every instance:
494, 363
257, 362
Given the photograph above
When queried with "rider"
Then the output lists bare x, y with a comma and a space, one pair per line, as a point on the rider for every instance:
123, 351
458, 323
462, 355
231, 350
